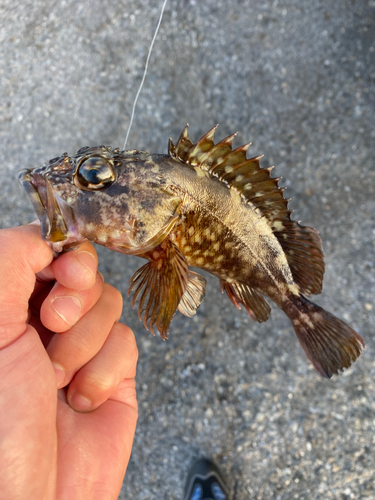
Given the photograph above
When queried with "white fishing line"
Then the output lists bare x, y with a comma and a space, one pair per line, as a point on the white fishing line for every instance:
145, 72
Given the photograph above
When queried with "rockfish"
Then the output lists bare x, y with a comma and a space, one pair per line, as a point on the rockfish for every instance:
203, 205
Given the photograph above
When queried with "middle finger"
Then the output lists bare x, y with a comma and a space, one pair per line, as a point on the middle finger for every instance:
74, 348
63, 306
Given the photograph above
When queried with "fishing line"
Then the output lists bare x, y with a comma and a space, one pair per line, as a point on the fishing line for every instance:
145, 72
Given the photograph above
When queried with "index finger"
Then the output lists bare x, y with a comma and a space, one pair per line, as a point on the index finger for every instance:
74, 269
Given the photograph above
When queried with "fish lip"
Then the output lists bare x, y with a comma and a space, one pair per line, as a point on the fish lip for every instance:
39, 189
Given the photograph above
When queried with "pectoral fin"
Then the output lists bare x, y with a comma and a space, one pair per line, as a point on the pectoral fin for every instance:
194, 294
160, 285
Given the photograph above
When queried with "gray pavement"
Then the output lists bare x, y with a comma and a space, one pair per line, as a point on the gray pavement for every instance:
298, 79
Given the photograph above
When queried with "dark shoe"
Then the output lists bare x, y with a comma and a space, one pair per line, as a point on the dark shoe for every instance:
204, 482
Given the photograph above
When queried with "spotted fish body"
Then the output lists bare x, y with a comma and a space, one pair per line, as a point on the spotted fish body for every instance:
203, 205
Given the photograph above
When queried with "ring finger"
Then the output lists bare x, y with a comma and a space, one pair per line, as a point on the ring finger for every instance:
112, 368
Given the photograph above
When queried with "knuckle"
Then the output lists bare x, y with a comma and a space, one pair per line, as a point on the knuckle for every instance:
113, 296
80, 341
129, 344
99, 383
133, 348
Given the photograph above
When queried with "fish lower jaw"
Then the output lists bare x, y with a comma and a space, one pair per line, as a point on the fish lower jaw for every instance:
70, 243
59, 233
57, 225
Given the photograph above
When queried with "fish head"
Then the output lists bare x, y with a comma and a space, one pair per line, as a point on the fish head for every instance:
109, 197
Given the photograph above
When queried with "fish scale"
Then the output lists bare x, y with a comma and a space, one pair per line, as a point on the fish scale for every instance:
203, 205
203, 243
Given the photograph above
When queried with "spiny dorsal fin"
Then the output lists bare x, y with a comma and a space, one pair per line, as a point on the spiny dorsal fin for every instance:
234, 169
302, 245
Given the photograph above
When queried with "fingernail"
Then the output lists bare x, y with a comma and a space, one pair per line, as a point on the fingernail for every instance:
35, 222
100, 274
68, 308
60, 375
79, 402
88, 261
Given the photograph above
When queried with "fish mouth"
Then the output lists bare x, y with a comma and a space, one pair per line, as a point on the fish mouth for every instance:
53, 227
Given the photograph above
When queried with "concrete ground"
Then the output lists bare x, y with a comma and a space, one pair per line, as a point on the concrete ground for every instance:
298, 79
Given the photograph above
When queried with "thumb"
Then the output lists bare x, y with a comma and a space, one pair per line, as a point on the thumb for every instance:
22, 254
27, 383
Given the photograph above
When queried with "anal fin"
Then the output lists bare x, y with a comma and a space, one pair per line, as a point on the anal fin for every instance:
254, 303
194, 294
160, 284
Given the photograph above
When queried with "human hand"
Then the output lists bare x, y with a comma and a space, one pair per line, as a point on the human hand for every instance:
73, 443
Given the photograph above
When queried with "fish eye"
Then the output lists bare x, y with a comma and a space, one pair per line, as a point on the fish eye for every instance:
94, 173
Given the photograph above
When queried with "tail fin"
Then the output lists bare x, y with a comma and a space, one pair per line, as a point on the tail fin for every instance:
329, 343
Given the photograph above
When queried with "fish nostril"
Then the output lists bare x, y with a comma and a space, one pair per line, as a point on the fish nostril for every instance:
40, 170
